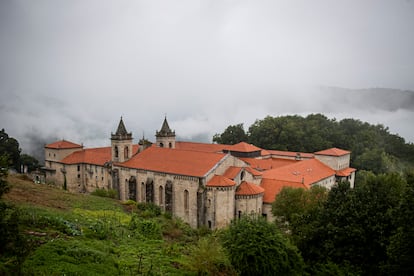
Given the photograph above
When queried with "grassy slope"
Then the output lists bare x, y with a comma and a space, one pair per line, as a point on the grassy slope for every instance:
84, 234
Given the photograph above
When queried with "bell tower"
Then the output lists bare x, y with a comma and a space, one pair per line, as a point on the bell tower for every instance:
121, 143
165, 138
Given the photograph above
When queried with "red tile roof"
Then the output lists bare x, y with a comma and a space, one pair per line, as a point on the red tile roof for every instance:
174, 161
306, 171
291, 153
95, 156
242, 147
333, 152
247, 188
220, 181
232, 172
268, 163
63, 144
273, 187
345, 172
253, 171
205, 147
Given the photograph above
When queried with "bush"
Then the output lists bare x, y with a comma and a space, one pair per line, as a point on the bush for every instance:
148, 210
257, 247
147, 228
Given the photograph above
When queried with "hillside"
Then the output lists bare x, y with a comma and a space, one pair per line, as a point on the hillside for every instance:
84, 234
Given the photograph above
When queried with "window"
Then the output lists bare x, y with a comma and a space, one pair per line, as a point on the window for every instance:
78, 176
170, 145
116, 151
161, 195
161, 145
186, 200
78, 168
126, 152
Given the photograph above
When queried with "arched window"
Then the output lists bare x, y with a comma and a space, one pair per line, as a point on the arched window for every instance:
161, 145
161, 195
126, 152
142, 192
170, 145
116, 151
186, 200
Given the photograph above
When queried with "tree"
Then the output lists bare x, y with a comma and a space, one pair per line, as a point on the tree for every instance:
257, 247
400, 250
232, 135
29, 161
10, 147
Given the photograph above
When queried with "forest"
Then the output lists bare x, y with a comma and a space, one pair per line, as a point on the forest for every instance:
373, 147
365, 230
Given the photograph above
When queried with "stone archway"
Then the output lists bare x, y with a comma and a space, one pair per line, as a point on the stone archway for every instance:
149, 190
132, 188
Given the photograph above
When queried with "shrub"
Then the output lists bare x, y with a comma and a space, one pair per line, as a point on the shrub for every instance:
148, 210
257, 247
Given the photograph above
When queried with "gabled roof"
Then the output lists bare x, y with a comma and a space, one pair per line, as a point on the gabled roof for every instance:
273, 187
232, 172
253, 171
94, 156
345, 172
220, 181
268, 163
242, 147
306, 171
247, 188
174, 161
333, 152
205, 147
63, 144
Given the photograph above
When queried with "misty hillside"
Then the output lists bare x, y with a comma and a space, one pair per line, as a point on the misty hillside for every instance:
386, 99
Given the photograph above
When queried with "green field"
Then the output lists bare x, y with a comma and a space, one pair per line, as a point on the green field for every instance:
77, 234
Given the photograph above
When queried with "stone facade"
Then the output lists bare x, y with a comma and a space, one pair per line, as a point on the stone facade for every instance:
180, 181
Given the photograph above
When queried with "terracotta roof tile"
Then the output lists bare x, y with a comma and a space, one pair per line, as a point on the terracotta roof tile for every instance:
205, 147
232, 172
345, 172
242, 147
268, 163
95, 156
253, 171
174, 161
306, 171
247, 188
63, 144
273, 187
333, 152
220, 181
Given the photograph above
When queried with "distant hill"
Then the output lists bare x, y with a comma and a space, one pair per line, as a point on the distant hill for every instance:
372, 98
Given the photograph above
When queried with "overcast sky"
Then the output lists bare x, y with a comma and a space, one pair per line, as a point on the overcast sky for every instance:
70, 69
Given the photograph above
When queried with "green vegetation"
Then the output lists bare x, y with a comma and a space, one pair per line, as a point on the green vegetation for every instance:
9, 147
367, 230
373, 147
257, 247
68, 233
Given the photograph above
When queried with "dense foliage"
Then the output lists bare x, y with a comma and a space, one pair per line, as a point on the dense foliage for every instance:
367, 230
257, 247
373, 147
9, 147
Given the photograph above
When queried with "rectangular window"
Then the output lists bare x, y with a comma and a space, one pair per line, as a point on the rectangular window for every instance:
78, 168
